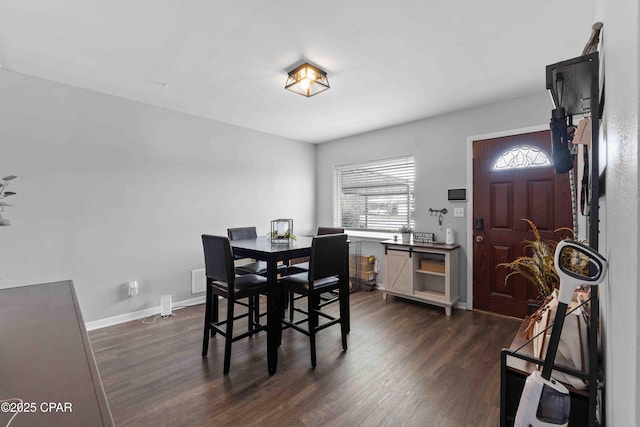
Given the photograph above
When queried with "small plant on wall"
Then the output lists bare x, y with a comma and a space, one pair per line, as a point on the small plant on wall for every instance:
3, 195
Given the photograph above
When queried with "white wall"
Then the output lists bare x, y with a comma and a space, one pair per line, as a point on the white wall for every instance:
439, 145
111, 190
620, 232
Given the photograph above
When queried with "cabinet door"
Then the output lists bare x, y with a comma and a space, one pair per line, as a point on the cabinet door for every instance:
398, 271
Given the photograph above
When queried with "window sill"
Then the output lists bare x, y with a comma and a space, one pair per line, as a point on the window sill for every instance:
374, 236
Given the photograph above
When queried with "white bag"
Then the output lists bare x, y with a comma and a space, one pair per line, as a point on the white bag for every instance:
573, 349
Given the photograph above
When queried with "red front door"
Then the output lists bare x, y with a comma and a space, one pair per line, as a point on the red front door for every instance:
501, 198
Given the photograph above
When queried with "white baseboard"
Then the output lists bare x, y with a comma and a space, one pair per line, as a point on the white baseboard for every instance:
140, 314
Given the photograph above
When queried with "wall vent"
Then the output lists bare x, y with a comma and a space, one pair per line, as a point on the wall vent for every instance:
198, 281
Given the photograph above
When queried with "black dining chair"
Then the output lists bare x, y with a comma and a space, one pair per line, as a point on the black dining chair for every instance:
323, 231
254, 267
325, 299
327, 265
299, 267
223, 282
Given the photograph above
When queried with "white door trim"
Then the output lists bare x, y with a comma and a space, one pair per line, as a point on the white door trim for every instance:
470, 140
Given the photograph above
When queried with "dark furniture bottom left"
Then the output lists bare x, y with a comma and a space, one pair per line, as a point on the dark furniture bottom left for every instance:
48, 375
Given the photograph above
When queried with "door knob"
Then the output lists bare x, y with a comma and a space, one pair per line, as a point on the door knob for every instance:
479, 239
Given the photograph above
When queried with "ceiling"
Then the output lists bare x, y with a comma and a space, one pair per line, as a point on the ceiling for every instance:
388, 62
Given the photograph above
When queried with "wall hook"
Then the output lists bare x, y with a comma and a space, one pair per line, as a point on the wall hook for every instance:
439, 213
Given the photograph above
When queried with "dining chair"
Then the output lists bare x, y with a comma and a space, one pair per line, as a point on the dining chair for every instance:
300, 266
327, 264
254, 267
327, 298
223, 282
323, 231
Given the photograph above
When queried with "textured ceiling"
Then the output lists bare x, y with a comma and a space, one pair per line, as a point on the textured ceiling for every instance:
388, 62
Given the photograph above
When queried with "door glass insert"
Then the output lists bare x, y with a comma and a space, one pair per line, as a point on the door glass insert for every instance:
524, 156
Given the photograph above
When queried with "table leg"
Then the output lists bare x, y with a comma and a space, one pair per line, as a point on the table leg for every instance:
345, 289
344, 302
273, 317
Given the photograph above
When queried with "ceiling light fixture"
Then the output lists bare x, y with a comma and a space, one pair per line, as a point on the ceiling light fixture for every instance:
307, 80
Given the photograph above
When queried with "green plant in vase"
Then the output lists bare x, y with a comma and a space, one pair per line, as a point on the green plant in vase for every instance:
405, 231
287, 235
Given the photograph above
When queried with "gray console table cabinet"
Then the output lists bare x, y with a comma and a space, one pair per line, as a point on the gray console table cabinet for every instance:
422, 272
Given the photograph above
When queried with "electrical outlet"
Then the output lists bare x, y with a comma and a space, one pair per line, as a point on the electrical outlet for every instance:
458, 212
133, 288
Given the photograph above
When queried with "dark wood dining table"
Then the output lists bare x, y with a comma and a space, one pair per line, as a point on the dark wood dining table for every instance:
261, 248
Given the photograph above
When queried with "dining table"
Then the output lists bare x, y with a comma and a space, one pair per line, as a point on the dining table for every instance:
262, 248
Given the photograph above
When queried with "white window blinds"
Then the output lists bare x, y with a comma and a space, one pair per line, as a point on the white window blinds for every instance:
375, 195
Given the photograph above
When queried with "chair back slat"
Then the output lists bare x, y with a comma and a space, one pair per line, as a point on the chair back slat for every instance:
241, 233
218, 259
322, 231
328, 256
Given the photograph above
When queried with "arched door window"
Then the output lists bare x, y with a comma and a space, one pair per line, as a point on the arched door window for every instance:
524, 156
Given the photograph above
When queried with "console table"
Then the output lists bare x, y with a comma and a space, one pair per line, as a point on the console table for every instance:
46, 360
425, 272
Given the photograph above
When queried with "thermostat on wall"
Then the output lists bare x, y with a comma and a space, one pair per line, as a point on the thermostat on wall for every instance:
458, 195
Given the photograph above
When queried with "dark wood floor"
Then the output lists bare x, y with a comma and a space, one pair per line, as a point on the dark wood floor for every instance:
407, 364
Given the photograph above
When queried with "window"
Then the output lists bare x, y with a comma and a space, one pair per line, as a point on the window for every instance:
524, 156
375, 195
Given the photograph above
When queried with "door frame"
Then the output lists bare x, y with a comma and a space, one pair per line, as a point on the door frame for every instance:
470, 139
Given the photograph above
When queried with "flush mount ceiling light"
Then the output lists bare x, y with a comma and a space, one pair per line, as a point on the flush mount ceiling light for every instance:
307, 80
